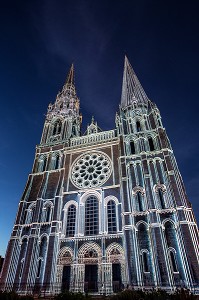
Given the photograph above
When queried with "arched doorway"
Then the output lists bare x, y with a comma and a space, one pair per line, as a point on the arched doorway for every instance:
90, 255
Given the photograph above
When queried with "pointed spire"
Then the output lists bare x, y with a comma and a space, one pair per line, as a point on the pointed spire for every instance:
71, 76
131, 87
69, 86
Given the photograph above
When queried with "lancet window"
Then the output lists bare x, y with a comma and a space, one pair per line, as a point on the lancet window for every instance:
47, 213
145, 262
111, 217
71, 220
91, 216
144, 245
171, 239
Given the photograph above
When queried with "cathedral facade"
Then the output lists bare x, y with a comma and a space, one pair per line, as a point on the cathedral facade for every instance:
105, 210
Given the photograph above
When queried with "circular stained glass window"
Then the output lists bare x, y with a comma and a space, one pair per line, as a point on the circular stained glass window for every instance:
91, 170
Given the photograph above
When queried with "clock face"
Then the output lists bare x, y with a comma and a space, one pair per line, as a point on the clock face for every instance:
91, 170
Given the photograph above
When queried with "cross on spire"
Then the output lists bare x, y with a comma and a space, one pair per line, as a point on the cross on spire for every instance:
132, 91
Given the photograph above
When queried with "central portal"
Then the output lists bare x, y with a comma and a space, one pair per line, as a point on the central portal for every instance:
91, 276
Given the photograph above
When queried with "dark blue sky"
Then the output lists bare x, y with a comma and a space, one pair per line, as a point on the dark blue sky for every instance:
40, 39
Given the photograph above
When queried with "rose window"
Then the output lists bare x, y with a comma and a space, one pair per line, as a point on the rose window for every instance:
91, 170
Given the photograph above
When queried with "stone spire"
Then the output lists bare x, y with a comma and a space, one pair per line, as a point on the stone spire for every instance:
132, 91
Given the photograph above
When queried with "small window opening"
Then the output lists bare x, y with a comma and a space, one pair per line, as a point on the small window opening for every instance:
138, 126
39, 268
145, 262
173, 262
21, 269
161, 197
139, 199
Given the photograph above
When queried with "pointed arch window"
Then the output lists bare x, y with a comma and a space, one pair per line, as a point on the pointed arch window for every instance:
111, 217
71, 219
151, 144
91, 216
132, 146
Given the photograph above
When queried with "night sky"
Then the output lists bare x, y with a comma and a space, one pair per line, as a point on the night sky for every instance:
39, 40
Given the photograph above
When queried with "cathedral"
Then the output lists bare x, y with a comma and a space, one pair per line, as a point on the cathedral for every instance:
105, 210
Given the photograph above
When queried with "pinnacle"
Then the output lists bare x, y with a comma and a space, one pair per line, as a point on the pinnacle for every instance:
132, 91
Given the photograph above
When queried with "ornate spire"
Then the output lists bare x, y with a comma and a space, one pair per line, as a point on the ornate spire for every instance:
132, 91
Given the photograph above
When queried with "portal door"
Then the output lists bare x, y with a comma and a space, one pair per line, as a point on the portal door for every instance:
91, 278
66, 278
116, 277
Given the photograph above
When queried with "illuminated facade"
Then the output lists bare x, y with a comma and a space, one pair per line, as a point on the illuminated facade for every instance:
103, 210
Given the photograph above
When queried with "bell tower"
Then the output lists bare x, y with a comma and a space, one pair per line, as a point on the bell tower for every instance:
63, 120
